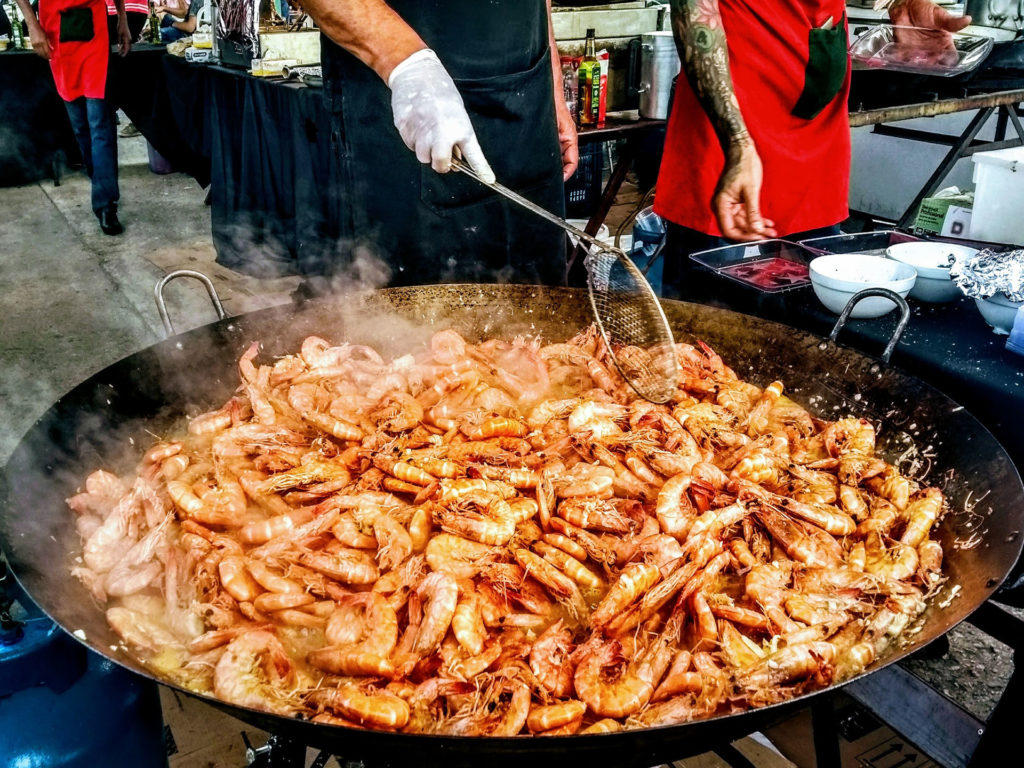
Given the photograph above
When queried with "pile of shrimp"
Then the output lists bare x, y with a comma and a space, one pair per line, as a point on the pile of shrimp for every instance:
502, 538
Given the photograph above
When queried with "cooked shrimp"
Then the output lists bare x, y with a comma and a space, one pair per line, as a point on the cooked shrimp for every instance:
478, 516
597, 419
921, 515
585, 480
549, 659
569, 565
595, 515
546, 718
365, 620
394, 544
560, 585
500, 709
500, 538
457, 556
440, 595
674, 511
256, 672
609, 684
263, 531
788, 664
363, 705
349, 566
235, 578
468, 625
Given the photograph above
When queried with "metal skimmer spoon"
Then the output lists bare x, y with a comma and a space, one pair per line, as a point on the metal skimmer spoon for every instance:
628, 313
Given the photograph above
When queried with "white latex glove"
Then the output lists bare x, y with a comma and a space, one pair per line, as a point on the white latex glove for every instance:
430, 116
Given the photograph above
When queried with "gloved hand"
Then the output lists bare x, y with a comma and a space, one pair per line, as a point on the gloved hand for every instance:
430, 115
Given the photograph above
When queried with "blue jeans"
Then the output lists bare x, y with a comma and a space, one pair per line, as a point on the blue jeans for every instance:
93, 124
169, 34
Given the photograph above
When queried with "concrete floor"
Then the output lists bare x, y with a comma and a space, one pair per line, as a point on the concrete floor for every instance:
73, 301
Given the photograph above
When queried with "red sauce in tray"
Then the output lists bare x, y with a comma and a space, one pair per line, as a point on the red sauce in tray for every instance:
769, 274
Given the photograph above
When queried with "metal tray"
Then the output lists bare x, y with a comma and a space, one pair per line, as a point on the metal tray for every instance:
769, 266
919, 51
870, 243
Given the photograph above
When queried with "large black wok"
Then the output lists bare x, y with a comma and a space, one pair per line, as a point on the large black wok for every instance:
95, 425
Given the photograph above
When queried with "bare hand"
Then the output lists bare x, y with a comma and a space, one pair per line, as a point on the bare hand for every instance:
124, 37
567, 139
737, 200
926, 14
37, 38
923, 33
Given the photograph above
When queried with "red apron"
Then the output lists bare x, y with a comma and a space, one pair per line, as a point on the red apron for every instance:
806, 162
79, 68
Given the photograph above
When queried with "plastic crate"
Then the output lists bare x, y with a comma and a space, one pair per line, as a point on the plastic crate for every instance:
583, 189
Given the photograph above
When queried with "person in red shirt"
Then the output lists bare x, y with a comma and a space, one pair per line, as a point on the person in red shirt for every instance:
137, 13
758, 141
72, 36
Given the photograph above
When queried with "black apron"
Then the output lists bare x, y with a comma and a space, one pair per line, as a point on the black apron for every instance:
441, 228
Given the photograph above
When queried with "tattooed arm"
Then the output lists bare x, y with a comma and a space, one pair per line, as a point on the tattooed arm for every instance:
700, 38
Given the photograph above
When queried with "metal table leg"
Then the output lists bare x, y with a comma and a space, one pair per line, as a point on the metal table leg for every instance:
733, 757
955, 153
826, 735
611, 190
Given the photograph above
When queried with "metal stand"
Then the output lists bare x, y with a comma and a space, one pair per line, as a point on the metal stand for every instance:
1005, 104
936, 726
1001, 736
280, 752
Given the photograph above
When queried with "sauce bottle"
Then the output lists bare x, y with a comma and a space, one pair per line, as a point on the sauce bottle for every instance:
589, 93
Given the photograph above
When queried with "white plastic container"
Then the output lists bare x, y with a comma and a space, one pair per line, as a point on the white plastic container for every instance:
998, 196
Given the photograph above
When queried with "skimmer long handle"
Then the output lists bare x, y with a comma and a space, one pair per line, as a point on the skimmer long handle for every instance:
462, 167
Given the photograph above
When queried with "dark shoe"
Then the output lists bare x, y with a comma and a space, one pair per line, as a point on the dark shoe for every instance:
109, 222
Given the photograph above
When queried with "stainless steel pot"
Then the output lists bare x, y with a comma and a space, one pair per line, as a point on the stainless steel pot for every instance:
996, 14
659, 64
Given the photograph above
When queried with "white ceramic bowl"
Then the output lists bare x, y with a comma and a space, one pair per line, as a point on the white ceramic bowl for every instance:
837, 277
999, 312
931, 260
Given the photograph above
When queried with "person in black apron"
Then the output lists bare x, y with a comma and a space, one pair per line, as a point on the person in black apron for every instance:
411, 62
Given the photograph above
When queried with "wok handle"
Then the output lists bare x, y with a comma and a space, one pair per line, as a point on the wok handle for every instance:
161, 306
884, 293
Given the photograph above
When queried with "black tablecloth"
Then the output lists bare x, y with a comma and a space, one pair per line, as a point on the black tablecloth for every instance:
266, 145
34, 129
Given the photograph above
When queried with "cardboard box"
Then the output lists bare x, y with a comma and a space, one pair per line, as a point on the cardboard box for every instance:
948, 213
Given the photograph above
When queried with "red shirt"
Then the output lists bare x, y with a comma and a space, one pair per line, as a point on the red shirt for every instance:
130, 6
806, 162
80, 68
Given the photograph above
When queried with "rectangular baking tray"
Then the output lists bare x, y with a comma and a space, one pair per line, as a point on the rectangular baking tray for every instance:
919, 51
768, 266
870, 243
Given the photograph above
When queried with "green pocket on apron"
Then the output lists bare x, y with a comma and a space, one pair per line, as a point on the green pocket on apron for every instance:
826, 70
76, 25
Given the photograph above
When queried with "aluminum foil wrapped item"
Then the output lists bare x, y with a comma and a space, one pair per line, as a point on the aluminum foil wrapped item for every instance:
988, 273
